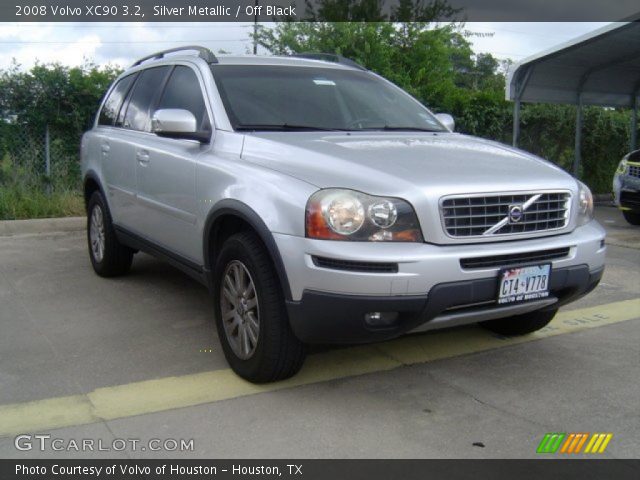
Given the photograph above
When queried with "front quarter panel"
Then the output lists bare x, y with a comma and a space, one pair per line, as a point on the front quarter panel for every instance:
277, 199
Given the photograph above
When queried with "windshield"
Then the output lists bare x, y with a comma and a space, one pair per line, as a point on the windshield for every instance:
264, 97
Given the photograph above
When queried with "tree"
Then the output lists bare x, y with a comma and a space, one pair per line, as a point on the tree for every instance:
65, 98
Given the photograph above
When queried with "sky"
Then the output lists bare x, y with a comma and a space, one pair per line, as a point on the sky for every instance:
122, 43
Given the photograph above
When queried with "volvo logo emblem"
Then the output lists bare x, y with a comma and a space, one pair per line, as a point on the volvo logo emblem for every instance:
516, 212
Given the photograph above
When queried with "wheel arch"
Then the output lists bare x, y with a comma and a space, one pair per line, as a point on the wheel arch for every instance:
90, 184
235, 215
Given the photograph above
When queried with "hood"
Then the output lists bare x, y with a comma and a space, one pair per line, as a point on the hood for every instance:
419, 168
387, 163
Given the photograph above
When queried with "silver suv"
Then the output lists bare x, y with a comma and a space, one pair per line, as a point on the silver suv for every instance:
320, 203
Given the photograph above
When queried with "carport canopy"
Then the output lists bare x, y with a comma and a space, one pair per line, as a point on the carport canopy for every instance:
600, 68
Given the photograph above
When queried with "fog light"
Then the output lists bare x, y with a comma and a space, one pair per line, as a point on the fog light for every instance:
380, 319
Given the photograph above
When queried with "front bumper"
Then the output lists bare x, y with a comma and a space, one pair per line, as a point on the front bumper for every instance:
420, 266
626, 192
327, 305
332, 318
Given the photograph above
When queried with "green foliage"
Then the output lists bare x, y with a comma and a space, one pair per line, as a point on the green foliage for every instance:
17, 203
63, 98
606, 141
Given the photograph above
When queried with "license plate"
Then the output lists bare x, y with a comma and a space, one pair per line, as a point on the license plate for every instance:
522, 284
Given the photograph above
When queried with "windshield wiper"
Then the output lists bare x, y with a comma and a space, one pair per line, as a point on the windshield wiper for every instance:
289, 127
284, 127
393, 128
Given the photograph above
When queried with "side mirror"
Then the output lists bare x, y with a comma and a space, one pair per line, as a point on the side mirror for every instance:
177, 123
447, 120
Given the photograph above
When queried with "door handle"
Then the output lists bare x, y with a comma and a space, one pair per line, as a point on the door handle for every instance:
142, 156
105, 148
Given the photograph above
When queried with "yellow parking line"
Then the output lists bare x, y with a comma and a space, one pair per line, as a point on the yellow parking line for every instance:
176, 392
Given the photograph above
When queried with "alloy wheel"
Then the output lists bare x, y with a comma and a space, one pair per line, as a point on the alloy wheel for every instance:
239, 309
96, 233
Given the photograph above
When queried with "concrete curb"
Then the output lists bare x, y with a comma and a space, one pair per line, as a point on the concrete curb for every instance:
42, 225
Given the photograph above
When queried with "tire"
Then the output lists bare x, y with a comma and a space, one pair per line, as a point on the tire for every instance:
108, 256
270, 351
632, 217
520, 324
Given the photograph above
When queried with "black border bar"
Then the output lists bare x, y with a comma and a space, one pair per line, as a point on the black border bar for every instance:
310, 10
546, 468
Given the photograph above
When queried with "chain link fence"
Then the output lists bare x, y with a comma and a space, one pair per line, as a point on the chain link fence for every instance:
40, 160
39, 173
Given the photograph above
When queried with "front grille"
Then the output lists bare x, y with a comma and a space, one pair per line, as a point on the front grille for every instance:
634, 170
630, 200
514, 259
480, 215
348, 265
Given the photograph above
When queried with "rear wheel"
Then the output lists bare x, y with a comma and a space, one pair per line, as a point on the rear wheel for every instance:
520, 324
632, 217
108, 256
251, 316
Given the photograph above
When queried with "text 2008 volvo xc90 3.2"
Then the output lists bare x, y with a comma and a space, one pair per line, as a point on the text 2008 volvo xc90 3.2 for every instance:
322, 204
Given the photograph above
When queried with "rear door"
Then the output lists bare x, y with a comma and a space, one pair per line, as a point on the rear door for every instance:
166, 170
132, 124
118, 166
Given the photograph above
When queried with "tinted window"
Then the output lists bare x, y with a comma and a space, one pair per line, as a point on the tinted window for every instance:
144, 93
266, 96
113, 102
123, 109
183, 91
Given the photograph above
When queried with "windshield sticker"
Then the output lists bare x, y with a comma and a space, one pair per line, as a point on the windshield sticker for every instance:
322, 81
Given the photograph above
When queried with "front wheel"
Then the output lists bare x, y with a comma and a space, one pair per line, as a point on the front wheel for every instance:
632, 217
109, 257
250, 312
520, 324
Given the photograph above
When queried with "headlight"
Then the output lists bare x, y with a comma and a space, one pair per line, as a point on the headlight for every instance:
585, 204
343, 212
338, 214
622, 167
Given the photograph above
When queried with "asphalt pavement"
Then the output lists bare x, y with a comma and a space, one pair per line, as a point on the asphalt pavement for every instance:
137, 358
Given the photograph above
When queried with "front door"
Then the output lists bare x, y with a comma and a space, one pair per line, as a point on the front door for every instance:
166, 171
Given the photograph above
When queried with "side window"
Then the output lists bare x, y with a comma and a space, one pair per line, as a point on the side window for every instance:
183, 91
113, 102
144, 93
123, 109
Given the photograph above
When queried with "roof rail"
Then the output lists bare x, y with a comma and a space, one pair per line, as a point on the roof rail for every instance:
330, 57
204, 53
